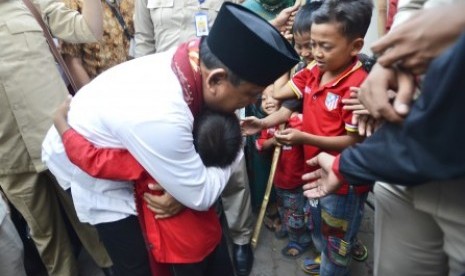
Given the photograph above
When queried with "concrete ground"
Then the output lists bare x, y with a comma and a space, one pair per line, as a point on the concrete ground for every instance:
270, 262
268, 258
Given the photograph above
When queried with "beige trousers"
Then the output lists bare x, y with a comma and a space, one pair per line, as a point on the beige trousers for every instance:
237, 206
420, 230
37, 197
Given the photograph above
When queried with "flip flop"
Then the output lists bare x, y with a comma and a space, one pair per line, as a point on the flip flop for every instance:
359, 251
293, 246
311, 266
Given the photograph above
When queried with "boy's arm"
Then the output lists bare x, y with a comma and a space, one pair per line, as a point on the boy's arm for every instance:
335, 143
282, 90
114, 164
281, 116
264, 142
252, 125
97, 162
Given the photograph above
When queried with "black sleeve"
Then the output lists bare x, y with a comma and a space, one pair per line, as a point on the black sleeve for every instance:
430, 144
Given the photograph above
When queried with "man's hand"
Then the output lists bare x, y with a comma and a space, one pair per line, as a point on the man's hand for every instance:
375, 93
251, 125
164, 205
324, 180
285, 19
414, 43
60, 118
289, 136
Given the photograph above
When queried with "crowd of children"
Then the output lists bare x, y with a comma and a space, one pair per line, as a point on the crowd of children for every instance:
328, 36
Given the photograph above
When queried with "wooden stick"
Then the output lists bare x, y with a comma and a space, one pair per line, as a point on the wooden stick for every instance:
266, 198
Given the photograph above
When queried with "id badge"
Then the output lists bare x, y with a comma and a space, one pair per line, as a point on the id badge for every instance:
201, 24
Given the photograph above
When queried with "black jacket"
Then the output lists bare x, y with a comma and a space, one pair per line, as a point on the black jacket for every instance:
430, 144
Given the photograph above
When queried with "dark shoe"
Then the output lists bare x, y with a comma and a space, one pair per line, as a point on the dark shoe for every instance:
359, 251
243, 259
108, 271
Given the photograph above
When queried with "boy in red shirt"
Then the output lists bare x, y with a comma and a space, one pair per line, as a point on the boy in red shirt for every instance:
287, 181
337, 33
187, 243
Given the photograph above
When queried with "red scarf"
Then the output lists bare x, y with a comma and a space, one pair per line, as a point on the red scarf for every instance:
186, 66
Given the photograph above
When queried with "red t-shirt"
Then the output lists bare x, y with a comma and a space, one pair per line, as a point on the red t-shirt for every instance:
291, 164
322, 106
187, 237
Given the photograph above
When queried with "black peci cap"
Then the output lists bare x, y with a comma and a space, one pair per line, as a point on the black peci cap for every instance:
250, 46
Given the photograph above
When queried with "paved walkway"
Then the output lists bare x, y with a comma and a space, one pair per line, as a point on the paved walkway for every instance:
268, 258
270, 262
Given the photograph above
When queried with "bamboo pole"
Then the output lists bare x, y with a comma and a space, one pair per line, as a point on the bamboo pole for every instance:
266, 198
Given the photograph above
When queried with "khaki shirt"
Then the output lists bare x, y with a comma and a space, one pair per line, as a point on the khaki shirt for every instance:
162, 24
31, 87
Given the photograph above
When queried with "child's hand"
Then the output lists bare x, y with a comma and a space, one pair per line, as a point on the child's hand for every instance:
288, 136
288, 35
60, 118
251, 125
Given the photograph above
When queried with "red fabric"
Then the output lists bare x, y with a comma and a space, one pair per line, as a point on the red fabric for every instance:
335, 168
188, 237
186, 66
265, 134
291, 165
392, 10
322, 107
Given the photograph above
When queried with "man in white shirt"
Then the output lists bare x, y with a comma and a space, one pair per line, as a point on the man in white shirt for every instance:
148, 106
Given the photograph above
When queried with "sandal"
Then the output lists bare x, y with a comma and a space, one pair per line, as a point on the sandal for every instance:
311, 266
293, 246
359, 251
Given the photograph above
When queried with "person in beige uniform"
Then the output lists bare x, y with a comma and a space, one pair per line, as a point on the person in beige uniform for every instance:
161, 25
30, 90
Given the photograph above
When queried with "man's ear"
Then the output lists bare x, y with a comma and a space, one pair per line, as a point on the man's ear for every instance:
357, 45
216, 77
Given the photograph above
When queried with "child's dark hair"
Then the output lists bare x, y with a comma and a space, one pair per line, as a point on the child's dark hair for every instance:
303, 18
217, 138
353, 15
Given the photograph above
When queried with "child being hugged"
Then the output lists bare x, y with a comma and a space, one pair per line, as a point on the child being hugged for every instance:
287, 182
187, 243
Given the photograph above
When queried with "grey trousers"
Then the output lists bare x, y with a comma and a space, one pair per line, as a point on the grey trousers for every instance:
237, 206
420, 230
11, 246
37, 197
